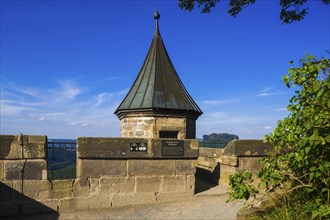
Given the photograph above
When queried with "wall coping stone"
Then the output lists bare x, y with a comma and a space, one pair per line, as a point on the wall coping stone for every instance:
14, 147
119, 148
248, 148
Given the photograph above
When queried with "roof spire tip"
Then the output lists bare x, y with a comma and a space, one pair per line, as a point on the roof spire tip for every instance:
156, 15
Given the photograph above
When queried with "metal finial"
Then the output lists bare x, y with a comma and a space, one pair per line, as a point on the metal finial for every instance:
156, 15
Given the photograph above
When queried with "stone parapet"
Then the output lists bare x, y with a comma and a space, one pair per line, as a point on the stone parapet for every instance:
120, 148
109, 174
14, 147
248, 148
238, 155
23, 157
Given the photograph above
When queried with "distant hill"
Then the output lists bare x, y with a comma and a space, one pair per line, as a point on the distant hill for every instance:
219, 140
219, 137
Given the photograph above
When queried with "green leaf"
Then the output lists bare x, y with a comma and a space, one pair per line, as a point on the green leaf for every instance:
308, 149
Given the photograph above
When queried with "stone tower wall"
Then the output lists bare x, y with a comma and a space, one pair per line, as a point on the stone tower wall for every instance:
149, 127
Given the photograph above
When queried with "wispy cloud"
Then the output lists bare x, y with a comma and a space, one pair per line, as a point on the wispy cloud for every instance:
269, 91
267, 127
10, 108
59, 109
220, 101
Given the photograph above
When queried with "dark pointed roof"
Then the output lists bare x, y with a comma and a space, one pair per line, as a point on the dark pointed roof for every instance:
158, 88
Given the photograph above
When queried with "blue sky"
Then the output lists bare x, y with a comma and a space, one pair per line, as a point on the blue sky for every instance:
67, 65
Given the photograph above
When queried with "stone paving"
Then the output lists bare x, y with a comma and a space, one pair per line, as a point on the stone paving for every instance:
209, 204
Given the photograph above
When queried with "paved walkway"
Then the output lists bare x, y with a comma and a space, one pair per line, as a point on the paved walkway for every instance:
209, 204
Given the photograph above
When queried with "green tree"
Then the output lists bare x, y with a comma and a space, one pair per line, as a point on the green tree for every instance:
291, 10
302, 142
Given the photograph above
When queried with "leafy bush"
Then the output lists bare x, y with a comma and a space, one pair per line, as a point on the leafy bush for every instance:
302, 141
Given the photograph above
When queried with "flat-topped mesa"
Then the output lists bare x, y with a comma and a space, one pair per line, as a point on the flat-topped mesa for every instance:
158, 105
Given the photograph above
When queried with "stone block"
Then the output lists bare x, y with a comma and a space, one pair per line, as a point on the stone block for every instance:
225, 172
113, 185
133, 199
81, 188
174, 184
190, 186
249, 163
93, 203
38, 139
23, 147
210, 152
148, 184
207, 163
98, 168
94, 186
174, 196
62, 189
186, 167
228, 160
30, 169
84, 204
248, 148
9, 147
151, 167
34, 151
37, 189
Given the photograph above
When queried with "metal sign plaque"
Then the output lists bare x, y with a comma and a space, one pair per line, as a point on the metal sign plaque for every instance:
139, 147
172, 148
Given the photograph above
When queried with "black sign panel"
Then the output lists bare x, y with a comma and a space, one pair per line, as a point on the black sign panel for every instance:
172, 148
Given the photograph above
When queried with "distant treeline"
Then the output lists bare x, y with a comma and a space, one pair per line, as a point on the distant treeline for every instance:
61, 158
219, 140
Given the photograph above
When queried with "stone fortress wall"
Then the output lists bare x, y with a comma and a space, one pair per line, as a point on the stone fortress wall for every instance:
110, 174
217, 164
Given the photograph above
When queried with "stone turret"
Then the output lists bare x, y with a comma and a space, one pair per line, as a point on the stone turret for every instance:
158, 105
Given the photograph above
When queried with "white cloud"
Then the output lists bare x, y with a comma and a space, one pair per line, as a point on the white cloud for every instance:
82, 124
102, 97
9, 107
267, 127
219, 102
25, 90
56, 110
269, 91
66, 91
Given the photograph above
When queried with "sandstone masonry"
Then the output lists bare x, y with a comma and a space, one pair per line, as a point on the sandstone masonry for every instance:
108, 175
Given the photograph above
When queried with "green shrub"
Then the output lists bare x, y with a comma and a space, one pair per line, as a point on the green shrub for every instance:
302, 141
